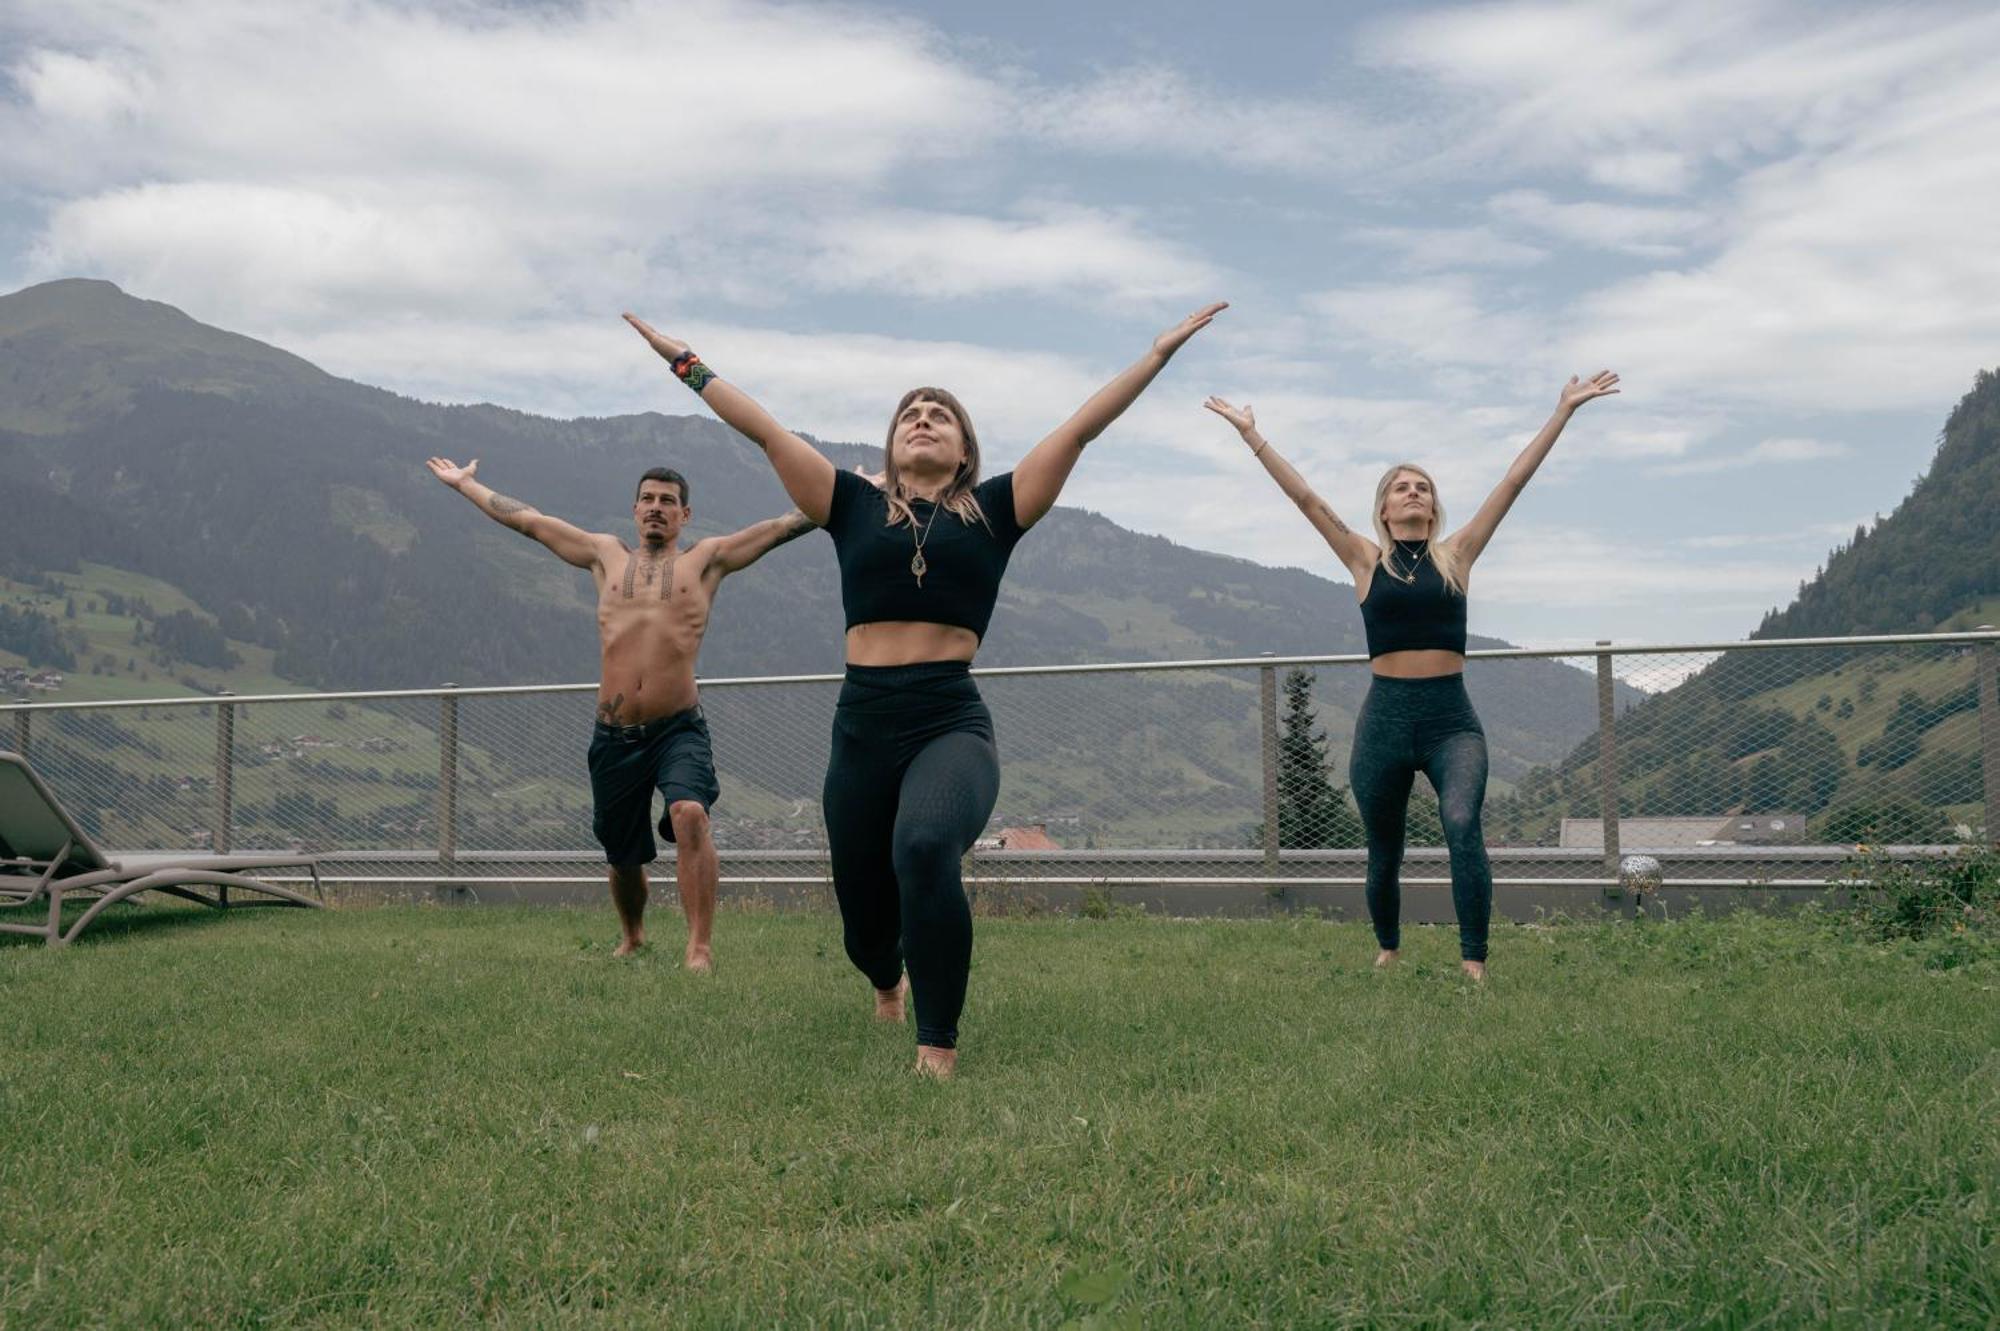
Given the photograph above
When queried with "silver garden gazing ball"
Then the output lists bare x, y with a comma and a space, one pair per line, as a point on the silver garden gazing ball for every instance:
1639, 873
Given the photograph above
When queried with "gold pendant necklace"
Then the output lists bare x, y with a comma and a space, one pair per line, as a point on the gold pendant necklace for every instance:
918, 564
1416, 562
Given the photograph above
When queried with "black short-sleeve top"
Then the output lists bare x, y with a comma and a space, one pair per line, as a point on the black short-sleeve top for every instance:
962, 560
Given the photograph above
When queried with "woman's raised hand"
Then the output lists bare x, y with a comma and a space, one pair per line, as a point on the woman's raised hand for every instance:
670, 348
1167, 343
1243, 418
1577, 392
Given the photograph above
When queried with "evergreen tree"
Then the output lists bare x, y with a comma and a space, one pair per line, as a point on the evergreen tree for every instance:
1312, 812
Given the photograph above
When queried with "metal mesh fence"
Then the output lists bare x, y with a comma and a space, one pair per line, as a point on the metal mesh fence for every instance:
1752, 763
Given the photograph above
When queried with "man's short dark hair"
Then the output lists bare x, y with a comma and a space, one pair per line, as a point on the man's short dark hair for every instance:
666, 476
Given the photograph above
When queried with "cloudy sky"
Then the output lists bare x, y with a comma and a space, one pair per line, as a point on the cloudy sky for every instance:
1775, 220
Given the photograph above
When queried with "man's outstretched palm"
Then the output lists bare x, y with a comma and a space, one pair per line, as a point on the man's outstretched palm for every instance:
450, 472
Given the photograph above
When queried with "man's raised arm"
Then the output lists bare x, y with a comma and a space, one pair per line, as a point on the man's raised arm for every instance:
739, 550
572, 545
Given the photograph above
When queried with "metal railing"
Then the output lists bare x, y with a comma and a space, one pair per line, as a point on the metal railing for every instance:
1752, 763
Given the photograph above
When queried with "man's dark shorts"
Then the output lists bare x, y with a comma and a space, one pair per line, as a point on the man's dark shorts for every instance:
628, 763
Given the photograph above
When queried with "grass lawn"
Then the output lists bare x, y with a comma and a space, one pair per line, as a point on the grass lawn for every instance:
407, 1115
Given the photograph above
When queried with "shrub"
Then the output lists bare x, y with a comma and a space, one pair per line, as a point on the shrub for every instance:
1953, 894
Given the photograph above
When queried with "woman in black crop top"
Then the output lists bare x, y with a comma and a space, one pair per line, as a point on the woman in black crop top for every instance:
1411, 582
913, 774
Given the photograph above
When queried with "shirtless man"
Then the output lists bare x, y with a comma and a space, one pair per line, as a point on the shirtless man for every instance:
652, 610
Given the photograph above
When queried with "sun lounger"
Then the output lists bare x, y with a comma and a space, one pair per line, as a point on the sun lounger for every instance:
44, 853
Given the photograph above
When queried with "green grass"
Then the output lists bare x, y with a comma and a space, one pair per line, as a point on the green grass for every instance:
402, 1116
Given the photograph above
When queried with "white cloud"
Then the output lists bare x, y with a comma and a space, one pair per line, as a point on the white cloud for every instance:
1758, 454
1081, 253
1646, 232
1862, 277
1559, 85
1431, 249
78, 89
1587, 576
1438, 321
1853, 160
260, 253
1817, 536
396, 153
602, 101
1644, 172
1157, 109
839, 385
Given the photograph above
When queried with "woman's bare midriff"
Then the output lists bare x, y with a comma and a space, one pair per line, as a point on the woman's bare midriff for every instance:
896, 642
1424, 663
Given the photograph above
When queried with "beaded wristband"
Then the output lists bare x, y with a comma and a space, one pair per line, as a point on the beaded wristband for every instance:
691, 371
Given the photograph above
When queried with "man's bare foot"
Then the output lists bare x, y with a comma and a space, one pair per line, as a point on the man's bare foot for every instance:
1474, 971
935, 1063
1386, 958
632, 943
889, 1004
699, 960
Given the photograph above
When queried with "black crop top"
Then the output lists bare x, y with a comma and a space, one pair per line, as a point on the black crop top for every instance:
963, 561
1411, 616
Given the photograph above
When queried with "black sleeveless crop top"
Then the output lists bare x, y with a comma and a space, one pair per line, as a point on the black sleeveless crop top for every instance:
963, 561
1416, 615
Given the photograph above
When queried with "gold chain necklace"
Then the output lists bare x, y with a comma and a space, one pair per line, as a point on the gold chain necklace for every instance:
1416, 561
918, 564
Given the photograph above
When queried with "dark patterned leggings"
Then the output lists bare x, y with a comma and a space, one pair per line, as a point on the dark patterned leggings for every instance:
912, 781
1408, 726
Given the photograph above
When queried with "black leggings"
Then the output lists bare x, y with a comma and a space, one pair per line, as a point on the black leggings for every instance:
1408, 726
911, 783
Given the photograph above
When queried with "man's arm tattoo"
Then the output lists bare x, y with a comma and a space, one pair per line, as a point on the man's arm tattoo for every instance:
500, 506
792, 526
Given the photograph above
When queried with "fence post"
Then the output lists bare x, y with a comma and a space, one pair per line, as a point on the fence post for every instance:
225, 773
1989, 732
21, 720
448, 791
1268, 698
1607, 762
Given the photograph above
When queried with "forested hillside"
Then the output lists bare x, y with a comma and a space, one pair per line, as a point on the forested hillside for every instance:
1873, 743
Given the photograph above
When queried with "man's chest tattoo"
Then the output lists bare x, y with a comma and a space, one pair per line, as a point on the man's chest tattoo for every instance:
657, 570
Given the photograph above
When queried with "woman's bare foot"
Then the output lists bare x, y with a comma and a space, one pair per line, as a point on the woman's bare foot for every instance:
889, 1003
935, 1063
1474, 970
630, 944
1386, 958
699, 959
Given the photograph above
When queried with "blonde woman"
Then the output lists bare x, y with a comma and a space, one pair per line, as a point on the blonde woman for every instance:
1411, 582
914, 773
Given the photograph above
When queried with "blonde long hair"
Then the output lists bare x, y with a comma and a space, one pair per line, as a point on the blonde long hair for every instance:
957, 496
1443, 555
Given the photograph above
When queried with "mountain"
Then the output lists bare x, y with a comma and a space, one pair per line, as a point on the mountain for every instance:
1876, 744
191, 508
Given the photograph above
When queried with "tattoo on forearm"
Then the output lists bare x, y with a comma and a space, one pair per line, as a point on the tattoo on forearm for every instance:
607, 712
1331, 517
792, 526
500, 506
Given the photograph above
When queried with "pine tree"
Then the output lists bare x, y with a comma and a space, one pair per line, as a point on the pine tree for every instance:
1311, 811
